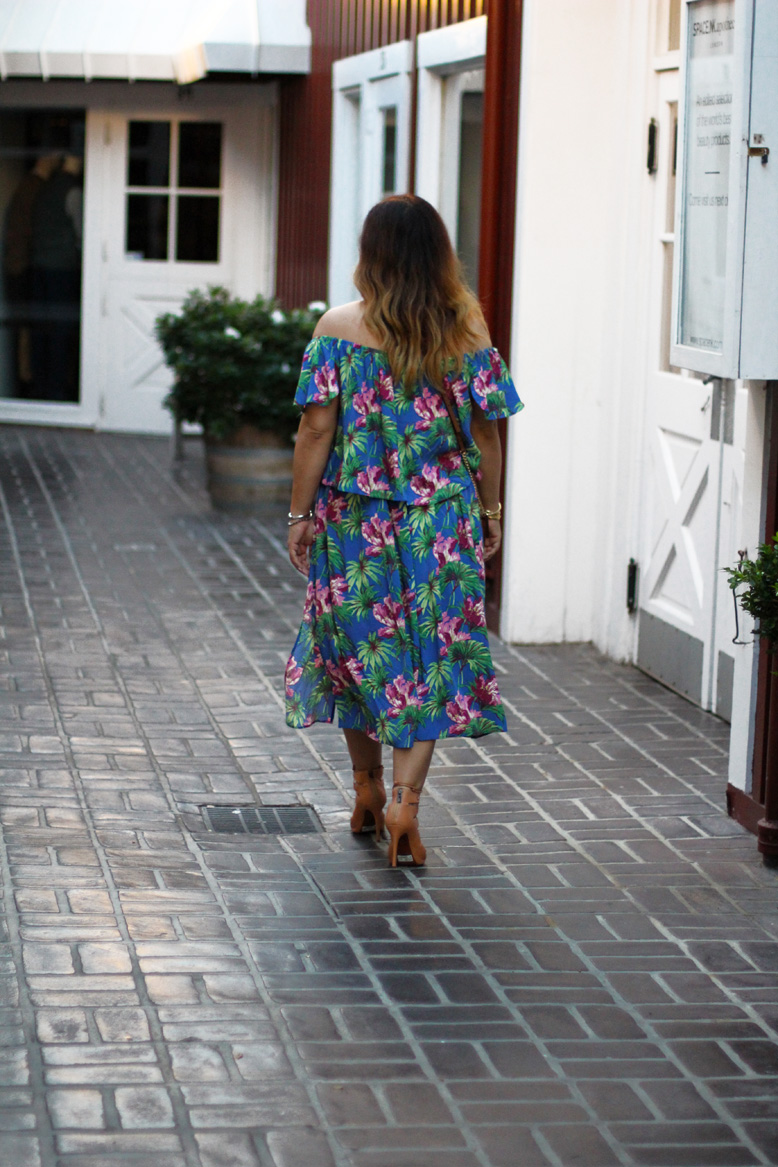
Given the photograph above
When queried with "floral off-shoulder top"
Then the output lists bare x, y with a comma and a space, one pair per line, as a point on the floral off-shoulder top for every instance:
396, 441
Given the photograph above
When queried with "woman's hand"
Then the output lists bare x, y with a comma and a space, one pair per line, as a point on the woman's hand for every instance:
299, 543
493, 540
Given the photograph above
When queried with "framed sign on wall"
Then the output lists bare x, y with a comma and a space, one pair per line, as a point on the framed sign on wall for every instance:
724, 291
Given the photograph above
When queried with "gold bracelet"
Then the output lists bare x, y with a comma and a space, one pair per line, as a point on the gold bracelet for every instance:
495, 514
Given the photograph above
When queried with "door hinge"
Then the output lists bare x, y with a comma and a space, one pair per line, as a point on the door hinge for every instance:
632, 586
652, 162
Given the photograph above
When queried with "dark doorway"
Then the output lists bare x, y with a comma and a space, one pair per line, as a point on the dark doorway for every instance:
41, 203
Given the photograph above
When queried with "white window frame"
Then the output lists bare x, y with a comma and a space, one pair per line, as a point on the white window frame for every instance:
724, 364
363, 87
445, 58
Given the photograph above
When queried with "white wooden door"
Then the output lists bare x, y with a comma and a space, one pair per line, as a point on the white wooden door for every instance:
184, 199
692, 471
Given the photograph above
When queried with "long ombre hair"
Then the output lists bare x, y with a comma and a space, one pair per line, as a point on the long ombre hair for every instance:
416, 300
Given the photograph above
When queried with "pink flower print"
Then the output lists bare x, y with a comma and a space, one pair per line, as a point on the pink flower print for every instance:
402, 694
451, 461
473, 612
429, 481
479, 555
365, 402
310, 597
460, 712
334, 507
464, 535
319, 516
391, 464
445, 549
450, 630
428, 406
370, 480
337, 675
292, 675
391, 615
353, 669
323, 599
486, 692
459, 391
482, 384
496, 364
326, 381
385, 385
338, 589
378, 534
346, 672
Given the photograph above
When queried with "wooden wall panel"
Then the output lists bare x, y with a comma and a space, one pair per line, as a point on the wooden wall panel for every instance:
340, 28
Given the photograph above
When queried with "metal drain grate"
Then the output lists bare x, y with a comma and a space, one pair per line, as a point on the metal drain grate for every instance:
262, 820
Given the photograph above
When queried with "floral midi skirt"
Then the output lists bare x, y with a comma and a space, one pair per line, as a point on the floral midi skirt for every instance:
393, 636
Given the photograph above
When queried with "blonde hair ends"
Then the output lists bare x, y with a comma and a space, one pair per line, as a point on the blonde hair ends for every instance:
416, 300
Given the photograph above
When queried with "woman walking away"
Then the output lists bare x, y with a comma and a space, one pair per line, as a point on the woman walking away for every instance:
385, 518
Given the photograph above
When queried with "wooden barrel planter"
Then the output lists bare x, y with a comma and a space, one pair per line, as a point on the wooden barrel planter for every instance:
252, 468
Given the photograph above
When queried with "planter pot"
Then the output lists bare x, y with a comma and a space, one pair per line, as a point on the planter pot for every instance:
249, 470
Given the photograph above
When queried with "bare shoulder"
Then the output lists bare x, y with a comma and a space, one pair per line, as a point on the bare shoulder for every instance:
483, 339
344, 321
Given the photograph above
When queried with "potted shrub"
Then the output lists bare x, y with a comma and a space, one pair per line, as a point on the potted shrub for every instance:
235, 365
759, 577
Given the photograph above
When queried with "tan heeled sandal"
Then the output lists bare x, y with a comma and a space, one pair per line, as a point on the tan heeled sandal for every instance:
403, 827
368, 813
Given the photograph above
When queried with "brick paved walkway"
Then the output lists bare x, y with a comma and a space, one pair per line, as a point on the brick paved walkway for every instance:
585, 973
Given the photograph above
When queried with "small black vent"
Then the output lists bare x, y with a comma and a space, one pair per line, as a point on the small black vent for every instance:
261, 820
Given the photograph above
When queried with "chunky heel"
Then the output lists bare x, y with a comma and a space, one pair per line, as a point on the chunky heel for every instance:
368, 813
403, 828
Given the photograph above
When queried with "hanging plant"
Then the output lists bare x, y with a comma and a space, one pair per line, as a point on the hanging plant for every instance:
759, 578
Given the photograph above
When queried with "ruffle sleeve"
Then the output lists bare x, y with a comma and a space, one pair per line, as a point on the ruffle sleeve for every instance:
319, 377
491, 385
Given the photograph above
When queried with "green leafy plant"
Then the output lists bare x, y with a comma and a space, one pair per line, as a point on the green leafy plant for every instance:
234, 361
759, 577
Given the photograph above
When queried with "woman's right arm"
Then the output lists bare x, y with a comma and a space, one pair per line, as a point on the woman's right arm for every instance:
486, 436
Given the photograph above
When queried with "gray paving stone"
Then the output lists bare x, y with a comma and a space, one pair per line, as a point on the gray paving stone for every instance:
584, 972
77, 1108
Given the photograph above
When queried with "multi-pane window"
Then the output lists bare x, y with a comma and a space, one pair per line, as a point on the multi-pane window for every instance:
389, 156
174, 174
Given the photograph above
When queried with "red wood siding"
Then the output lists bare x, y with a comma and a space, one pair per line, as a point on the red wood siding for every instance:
340, 28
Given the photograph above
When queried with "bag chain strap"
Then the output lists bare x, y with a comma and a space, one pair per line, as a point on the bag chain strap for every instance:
456, 423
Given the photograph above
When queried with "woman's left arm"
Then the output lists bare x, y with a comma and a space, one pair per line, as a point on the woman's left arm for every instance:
486, 436
311, 451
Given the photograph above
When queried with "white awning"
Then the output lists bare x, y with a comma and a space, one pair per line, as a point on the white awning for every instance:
152, 40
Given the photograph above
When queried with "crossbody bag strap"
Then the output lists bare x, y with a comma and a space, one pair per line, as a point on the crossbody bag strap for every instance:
460, 437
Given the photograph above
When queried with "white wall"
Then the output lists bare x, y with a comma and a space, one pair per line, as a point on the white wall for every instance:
749, 529
582, 341
578, 341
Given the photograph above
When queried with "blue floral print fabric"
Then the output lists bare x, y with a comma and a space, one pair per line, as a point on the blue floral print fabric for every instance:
393, 637
397, 441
